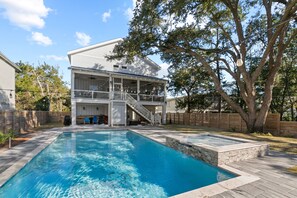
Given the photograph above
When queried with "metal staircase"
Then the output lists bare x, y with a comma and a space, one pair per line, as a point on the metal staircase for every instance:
141, 110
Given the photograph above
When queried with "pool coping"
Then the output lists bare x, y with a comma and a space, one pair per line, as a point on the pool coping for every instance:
18, 165
210, 190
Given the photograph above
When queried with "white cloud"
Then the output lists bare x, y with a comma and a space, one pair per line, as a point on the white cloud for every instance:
25, 14
40, 39
82, 38
106, 15
54, 57
129, 11
163, 72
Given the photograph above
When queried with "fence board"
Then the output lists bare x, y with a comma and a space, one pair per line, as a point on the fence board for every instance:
24, 120
231, 122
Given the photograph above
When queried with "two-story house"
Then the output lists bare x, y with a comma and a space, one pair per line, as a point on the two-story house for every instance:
116, 92
7, 83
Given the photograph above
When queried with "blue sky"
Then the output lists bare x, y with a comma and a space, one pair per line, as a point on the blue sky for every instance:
37, 31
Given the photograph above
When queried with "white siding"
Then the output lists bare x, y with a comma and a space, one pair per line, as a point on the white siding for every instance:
95, 59
7, 83
91, 109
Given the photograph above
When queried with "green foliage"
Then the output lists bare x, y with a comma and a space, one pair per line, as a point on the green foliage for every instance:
193, 83
5, 136
210, 32
41, 88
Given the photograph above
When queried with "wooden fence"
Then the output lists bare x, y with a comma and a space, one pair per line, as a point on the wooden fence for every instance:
232, 122
24, 120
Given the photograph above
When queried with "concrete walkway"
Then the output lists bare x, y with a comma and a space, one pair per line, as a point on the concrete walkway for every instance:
274, 181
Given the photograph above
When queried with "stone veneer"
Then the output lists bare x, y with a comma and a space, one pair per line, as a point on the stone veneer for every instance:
219, 155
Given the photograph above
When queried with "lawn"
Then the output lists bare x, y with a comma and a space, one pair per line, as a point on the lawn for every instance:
284, 144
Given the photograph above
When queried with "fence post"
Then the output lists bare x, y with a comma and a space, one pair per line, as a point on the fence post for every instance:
4, 116
228, 121
219, 120
278, 123
12, 120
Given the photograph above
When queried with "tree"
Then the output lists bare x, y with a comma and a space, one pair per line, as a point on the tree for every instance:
190, 81
40, 88
179, 29
285, 92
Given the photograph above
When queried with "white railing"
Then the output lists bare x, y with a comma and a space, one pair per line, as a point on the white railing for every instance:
157, 118
116, 95
139, 108
91, 94
151, 98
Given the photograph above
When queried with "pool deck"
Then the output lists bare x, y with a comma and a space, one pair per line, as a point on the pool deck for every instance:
272, 178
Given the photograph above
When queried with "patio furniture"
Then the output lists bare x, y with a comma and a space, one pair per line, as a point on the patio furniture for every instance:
95, 120
87, 120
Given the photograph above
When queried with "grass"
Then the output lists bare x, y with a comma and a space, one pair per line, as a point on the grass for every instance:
293, 169
283, 144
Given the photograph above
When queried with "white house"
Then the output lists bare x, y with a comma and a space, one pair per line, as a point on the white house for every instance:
7, 83
116, 92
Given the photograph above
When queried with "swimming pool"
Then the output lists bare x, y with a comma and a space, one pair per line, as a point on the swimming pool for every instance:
110, 164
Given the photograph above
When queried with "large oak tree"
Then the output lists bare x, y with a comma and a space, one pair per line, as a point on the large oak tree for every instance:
178, 29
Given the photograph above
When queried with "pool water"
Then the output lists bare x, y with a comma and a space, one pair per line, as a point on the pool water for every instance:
110, 164
213, 140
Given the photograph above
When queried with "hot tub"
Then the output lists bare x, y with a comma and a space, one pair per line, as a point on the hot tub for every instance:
217, 149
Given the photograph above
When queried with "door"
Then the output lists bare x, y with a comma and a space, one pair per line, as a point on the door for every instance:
117, 89
119, 113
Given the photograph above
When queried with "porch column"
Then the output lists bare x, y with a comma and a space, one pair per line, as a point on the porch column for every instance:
164, 113
73, 112
164, 105
110, 87
138, 89
109, 114
73, 102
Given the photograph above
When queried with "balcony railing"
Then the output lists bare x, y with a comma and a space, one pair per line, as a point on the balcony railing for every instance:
91, 94
116, 95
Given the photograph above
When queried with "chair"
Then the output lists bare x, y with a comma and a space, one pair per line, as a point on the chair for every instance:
87, 120
95, 120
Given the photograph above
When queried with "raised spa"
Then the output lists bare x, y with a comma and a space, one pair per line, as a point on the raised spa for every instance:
217, 149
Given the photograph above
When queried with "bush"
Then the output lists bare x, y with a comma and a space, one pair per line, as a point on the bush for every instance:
4, 137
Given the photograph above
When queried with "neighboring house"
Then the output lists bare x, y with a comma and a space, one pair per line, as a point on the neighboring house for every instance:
213, 107
171, 106
117, 92
7, 83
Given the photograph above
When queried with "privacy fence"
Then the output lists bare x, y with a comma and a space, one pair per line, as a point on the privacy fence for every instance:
232, 122
25, 120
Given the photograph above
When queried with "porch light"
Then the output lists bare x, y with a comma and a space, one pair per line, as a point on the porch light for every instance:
10, 95
239, 61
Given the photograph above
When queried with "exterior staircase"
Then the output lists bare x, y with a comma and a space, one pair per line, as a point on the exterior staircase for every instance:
141, 110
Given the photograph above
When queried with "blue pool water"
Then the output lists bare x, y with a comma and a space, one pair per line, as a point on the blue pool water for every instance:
110, 164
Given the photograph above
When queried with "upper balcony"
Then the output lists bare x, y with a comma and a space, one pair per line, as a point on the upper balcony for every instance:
115, 88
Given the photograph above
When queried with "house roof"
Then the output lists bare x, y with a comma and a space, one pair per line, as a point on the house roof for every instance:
98, 45
116, 73
9, 62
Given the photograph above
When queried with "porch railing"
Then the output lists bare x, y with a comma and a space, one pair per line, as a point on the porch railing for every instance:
91, 94
116, 95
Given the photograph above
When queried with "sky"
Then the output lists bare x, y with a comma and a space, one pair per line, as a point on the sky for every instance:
38, 31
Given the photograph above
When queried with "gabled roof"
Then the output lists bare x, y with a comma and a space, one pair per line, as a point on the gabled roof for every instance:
9, 62
98, 45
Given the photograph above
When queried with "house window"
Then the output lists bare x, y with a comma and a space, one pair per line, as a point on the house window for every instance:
116, 66
124, 67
